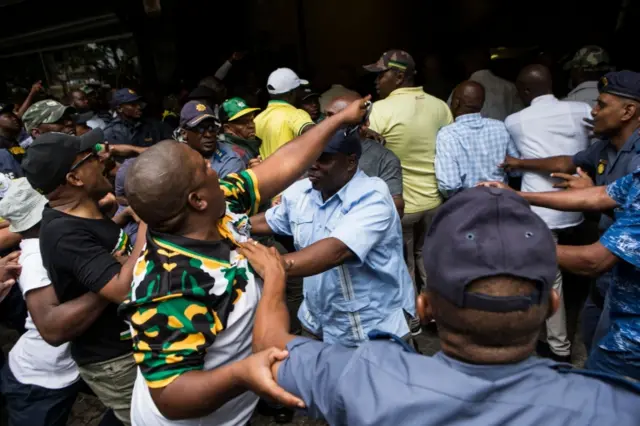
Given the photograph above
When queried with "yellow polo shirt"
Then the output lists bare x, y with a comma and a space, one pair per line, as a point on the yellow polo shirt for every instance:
409, 119
279, 123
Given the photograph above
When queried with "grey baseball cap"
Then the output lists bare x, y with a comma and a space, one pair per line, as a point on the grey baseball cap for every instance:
486, 232
22, 205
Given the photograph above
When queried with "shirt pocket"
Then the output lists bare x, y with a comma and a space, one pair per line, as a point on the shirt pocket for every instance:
302, 230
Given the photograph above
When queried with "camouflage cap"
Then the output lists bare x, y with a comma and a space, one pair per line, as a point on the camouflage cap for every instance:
592, 58
45, 112
393, 59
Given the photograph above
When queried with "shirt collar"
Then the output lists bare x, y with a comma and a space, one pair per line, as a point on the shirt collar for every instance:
468, 118
403, 90
543, 98
491, 372
279, 102
631, 142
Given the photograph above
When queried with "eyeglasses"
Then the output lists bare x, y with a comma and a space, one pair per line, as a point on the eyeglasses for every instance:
89, 156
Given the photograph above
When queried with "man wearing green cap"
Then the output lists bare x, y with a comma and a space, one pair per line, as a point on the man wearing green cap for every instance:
587, 66
48, 116
238, 128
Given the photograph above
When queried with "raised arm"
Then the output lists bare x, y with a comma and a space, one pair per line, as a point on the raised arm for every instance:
289, 162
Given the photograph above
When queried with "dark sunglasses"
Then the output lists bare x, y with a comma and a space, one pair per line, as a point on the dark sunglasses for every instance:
89, 156
212, 128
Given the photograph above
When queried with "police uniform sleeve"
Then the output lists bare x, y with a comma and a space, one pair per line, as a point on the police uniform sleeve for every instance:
313, 371
623, 237
241, 192
589, 158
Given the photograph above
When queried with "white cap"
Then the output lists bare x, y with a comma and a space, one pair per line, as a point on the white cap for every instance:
22, 205
283, 80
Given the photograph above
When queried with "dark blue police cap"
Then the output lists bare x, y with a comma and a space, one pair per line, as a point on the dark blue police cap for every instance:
486, 232
621, 83
125, 96
344, 142
193, 113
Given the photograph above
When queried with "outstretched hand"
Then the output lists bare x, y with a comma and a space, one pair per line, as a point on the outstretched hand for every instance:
583, 180
354, 113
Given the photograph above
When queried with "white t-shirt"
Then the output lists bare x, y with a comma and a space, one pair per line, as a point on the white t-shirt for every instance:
32, 360
231, 345
547, 128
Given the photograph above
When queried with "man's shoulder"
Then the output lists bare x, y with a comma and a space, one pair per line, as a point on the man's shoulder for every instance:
227, 150
363, 189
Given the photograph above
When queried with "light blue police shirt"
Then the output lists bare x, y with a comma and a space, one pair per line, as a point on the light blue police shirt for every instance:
369, 292
380, 383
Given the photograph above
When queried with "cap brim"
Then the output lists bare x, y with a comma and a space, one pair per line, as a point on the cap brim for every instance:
243, 113
310, 95
90, 139
7, 109
199, 119
374, 68
67, 110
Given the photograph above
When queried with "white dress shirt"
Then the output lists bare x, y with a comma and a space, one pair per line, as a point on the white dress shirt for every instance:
501, 96
547, 128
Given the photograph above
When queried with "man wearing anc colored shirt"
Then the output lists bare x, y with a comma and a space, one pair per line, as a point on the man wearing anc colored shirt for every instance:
193, 297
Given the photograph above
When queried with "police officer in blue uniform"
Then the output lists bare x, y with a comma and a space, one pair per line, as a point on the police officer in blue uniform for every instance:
614, 155
491, 263
130, 127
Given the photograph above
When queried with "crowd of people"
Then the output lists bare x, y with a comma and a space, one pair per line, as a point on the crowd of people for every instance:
153, 261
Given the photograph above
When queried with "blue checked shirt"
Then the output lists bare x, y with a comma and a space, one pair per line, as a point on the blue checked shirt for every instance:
623, 239
469, 151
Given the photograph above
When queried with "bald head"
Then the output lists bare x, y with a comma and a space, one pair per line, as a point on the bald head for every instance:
341, 102
533, 81
158, 183
468, 98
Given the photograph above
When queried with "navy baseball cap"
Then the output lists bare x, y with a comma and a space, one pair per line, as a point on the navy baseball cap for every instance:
6, 108
193, 112
621, 83
344, 142
486, 232
125, 96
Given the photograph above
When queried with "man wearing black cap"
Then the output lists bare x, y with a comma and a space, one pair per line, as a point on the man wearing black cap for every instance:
616, 154
199, 129
129, 127
78, 247
491, 292
347, 232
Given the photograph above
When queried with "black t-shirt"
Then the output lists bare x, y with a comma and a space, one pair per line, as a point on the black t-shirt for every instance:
78, 255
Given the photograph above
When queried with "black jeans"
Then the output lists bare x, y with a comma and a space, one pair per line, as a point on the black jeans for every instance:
34, 405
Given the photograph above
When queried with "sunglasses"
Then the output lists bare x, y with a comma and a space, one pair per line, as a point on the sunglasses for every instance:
89, 156
211, 128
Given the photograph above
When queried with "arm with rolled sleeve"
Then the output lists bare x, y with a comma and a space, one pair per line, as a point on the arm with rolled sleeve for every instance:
447, 167
277, 217
313, 371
